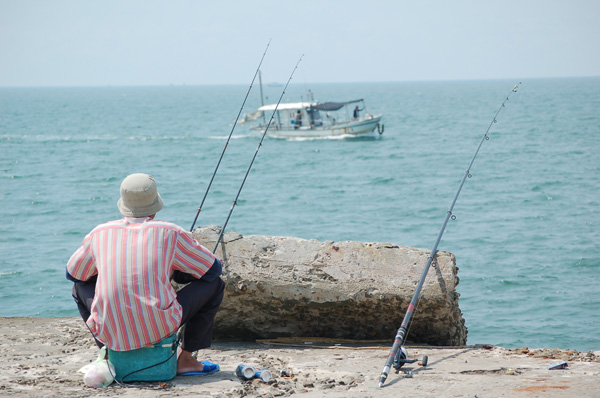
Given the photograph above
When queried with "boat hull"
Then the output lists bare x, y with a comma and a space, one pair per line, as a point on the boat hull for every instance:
351, 128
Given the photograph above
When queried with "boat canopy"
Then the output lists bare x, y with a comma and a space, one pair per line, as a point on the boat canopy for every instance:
332, 106
286, 106
319, 106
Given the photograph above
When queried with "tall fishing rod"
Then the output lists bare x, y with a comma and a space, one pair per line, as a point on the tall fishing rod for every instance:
228, 138
254, 157
249, 168
395, 356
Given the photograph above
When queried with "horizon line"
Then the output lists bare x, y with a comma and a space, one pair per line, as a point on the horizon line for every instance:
274, 83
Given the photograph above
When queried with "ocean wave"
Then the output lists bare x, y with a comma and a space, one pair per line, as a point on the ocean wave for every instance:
382, 181
49, 138
587, 263
233, 137
10, 274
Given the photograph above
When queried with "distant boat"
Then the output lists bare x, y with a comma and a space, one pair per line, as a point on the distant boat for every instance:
316, 119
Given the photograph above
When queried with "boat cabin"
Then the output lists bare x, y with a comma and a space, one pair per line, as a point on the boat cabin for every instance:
311, 115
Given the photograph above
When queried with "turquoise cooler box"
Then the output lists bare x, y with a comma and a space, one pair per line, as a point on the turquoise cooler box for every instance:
153, 363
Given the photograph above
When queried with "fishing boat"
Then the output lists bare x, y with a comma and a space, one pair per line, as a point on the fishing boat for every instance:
313, 119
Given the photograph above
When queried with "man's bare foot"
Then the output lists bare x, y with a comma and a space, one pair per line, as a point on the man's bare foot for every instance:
187, 363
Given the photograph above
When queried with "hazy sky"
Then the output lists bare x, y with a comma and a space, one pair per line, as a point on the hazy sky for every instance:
148, 42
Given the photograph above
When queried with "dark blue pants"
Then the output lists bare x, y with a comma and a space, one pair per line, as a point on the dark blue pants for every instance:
200, 301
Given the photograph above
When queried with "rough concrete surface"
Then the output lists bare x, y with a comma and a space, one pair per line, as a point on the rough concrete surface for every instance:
39, 357
281, 287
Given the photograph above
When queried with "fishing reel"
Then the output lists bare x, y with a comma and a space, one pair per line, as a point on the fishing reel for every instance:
401, 358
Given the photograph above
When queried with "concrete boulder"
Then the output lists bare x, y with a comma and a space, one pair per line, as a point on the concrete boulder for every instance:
292, 287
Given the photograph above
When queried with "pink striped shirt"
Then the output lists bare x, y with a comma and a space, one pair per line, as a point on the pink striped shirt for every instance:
135, 304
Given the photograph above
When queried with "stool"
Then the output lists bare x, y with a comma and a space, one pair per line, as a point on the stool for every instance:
157, 362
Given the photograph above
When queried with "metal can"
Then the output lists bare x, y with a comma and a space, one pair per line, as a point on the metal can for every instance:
286, 373
559, 365
245, 371
264, 375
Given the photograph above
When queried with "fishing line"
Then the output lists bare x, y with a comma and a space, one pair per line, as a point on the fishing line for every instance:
402, 331
254, 157
228, 138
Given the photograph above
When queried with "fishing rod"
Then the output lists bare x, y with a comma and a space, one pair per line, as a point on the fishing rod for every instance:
183, 278
254, 157
397, 354
228, 138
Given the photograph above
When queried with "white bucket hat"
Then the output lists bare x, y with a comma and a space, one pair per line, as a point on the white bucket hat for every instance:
139, 196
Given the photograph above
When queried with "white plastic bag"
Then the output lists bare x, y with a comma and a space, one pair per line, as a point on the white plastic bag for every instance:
97, 374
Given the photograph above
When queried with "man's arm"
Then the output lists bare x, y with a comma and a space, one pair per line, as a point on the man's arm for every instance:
213, 273
81, 265
194, 261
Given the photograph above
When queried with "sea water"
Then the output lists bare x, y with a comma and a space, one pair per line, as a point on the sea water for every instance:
526, 237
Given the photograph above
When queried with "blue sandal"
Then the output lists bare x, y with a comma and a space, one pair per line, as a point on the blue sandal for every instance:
209, 368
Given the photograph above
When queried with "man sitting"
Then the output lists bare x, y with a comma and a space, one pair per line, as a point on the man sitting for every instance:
122, 274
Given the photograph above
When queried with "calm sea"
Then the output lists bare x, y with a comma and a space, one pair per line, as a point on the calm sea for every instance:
526, 237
